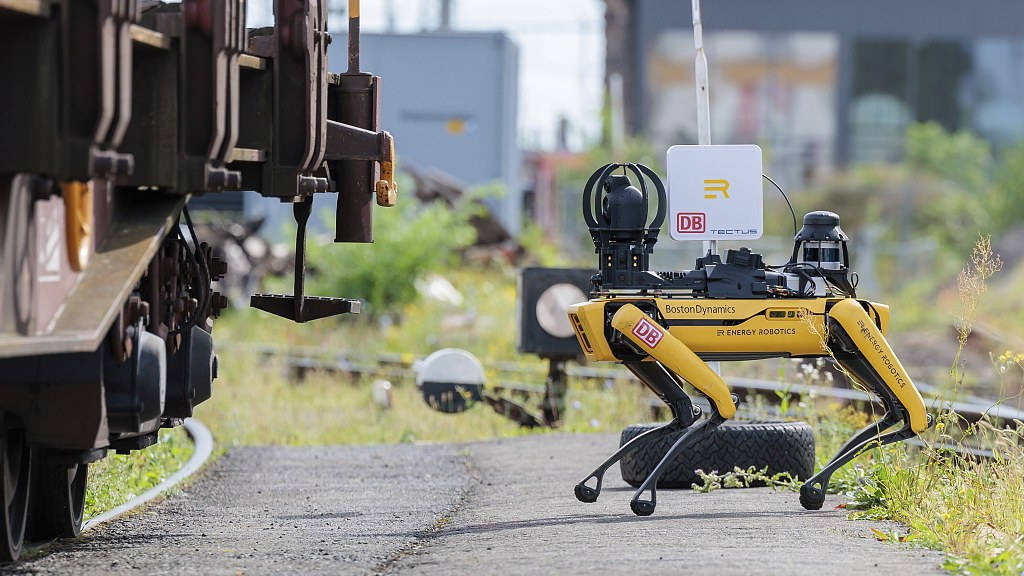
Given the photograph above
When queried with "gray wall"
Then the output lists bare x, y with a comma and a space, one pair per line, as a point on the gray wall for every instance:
449, 99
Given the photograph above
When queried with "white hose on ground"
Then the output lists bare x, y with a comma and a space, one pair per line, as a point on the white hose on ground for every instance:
202, 439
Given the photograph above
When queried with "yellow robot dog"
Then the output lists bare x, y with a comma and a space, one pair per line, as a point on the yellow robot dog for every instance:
664, 326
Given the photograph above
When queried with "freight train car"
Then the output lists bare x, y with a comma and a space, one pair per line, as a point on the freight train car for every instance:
113, 113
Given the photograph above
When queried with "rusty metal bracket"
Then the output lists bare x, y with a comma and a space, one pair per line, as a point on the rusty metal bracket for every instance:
298, 307
145, 98
347, 142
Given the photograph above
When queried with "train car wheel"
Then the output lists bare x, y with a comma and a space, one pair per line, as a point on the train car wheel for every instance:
15, 466
63, 499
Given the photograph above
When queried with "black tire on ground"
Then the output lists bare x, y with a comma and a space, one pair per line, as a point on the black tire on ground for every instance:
58, 499
779, 446
15, 473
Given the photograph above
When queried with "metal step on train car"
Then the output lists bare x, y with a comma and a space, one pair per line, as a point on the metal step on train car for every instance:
112, 113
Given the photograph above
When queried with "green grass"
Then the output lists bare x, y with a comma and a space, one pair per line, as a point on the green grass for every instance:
257, 401
973, 509
117, 478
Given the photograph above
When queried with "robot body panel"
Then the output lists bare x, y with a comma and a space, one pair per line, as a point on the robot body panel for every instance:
741, 329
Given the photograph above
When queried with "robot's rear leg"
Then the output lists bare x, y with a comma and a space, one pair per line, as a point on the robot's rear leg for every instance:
873, 430
812, 493
854, 336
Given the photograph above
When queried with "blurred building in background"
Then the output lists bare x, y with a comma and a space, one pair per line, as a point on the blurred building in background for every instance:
449, 98
821, 84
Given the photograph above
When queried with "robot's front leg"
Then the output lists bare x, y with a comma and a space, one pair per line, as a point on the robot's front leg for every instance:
862, 350
588, 494
674, 361
645, 507
656, 378
675, 356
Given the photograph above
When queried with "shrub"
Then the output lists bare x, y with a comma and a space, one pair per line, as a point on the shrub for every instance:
1006, 202
410, 241
961, 157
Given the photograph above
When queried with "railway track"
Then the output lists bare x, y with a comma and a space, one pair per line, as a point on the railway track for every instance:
521, 382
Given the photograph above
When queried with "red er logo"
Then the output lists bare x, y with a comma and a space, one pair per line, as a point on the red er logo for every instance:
690, 222
648, 332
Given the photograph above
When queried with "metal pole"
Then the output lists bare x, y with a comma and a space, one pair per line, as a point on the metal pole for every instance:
617, 136
389, 8
703, 104
353, 36
703, 115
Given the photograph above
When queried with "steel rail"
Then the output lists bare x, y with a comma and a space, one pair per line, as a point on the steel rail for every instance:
971, 408
202, 441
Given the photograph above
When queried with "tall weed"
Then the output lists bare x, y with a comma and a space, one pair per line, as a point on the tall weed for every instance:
971, 507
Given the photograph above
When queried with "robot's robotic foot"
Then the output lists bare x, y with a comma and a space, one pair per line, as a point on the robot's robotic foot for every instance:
812, 493
656, 377
643, 507
585, 493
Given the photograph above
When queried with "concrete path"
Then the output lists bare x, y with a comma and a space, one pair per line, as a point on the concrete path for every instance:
499, 507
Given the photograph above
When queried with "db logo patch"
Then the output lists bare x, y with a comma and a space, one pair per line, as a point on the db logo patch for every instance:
648, 332
691, 222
